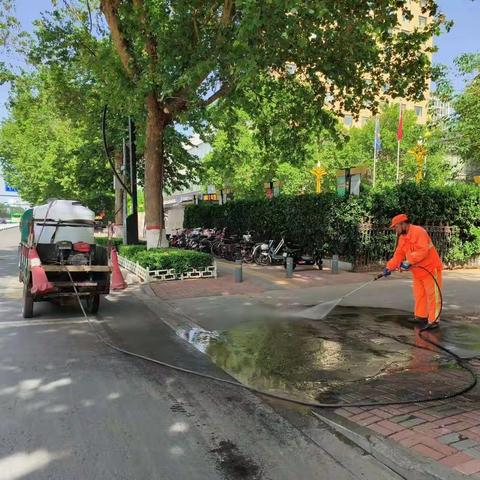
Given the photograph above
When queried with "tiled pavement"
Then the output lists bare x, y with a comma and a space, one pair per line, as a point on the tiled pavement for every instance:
445, 431
256, 281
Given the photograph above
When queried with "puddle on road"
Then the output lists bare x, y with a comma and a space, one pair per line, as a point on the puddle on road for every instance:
309, 359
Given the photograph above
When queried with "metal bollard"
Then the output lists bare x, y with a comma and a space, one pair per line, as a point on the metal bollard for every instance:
335, 264
289, 269
238, 271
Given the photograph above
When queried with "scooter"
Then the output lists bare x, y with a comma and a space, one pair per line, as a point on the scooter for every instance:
302, 258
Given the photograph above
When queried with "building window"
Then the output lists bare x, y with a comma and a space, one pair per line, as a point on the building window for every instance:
423, 3
348, 120
422, 21
406, 20
363, 121
418, 111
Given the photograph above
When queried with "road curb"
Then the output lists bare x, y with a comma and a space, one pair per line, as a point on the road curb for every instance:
401, 460
8, 226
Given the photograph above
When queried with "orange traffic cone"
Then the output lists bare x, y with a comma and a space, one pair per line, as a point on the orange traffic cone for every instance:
40, 283
116, 282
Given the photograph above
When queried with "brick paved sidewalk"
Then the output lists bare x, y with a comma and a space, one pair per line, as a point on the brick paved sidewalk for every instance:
256, 281
445, 431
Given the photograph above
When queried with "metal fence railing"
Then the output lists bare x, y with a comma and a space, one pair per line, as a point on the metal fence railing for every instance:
376, 245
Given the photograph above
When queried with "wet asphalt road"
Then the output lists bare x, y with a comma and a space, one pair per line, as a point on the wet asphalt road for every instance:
70, 408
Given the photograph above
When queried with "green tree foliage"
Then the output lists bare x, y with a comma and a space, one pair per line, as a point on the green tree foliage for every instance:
357, 150
69, 81
251, 149
242, 160
173, 60
45, 154
463, 132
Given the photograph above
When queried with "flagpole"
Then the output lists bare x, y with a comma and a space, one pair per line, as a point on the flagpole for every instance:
399, 139
398, 161
376, 149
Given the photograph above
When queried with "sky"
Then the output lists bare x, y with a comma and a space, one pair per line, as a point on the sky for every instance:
463, 37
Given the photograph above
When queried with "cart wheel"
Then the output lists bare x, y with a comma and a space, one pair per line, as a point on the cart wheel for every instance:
93, 303
27, 307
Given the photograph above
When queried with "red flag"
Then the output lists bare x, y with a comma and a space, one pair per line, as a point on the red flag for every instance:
400, 126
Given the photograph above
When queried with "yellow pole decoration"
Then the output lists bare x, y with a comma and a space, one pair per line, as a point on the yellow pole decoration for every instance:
318, 172
420, 153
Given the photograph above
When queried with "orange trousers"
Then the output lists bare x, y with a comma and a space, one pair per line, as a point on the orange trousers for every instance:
427, 297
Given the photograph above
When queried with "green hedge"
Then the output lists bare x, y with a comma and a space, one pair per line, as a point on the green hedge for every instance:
131, 251
104, 241
160, 258
166, 258
117, 242
331, 223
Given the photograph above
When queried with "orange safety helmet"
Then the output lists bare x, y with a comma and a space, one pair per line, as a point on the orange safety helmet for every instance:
398, 219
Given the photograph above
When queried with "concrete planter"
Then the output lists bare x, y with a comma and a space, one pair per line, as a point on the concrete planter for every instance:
148, 275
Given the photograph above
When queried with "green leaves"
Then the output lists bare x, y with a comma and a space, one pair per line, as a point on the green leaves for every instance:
47, 154
463, 127
274, 60
166, 258
331, 223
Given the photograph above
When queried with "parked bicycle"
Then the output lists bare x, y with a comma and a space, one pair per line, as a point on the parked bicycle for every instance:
271, 253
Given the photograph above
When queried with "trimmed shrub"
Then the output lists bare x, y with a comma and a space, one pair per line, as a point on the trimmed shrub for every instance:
165, 258
180, 260
104, 241
131, 251
330, 223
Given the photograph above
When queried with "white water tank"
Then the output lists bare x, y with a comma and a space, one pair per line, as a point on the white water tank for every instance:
63, 220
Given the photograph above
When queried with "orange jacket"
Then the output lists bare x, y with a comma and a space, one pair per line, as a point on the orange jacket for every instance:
417, 248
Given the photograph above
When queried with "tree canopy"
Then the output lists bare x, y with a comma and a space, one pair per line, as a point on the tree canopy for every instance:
242, 161
167, 63
464, 124
46, 154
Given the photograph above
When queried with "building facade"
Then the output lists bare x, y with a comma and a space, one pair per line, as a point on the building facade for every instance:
408, 25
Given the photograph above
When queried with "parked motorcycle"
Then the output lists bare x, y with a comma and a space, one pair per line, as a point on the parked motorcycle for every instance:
301, 257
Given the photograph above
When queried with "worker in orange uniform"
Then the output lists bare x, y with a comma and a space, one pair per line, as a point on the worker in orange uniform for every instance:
416, 252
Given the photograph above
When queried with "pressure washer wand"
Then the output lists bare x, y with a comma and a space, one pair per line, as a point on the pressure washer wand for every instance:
363, 285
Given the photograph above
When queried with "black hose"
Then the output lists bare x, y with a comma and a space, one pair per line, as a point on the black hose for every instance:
460, 361
305, 403
107, 154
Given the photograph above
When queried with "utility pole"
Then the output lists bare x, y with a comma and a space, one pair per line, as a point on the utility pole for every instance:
119, 195
132, 219
125, 193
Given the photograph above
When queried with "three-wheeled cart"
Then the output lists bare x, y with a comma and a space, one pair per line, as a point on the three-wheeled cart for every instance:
62, 233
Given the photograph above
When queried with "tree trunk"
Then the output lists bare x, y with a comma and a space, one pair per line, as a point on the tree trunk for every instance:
118, 196
154, 220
